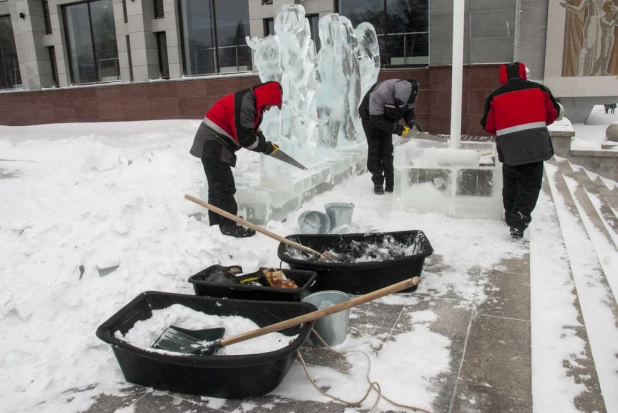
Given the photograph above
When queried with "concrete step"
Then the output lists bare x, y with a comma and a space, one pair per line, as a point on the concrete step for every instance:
551, 276
611, 195
606, 213
598, 233
597, 300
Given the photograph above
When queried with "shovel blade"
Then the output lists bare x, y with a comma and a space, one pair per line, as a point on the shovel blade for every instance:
182, 340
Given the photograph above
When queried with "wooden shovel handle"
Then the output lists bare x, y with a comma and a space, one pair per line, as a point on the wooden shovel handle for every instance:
253, 226
323, 313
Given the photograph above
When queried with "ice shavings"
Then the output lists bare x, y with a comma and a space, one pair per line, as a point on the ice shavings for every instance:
358, 252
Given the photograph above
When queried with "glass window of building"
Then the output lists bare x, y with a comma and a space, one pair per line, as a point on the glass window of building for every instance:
164, 66
402, 27
91, 40
10, 77
269, 27
158, 9
213, 35
128, 41
125, 16
48, 28
54, 67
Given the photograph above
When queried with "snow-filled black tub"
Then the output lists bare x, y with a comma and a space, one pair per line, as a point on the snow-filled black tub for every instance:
223, 376
367, 261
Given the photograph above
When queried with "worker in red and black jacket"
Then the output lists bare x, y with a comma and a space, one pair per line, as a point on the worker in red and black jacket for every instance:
232, 123
518, 113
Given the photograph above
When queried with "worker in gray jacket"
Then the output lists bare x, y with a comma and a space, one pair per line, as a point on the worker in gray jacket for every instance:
381, 109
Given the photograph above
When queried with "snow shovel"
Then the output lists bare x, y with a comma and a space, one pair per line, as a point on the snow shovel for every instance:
324, 256
208, 341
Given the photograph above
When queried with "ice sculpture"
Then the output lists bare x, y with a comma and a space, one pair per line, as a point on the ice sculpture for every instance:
318, 124
338, 99
368, 54
321, 93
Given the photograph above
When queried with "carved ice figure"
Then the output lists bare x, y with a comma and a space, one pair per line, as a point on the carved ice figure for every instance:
368, 54
267, 57
268, 62
321, 94
339, 96
289, 58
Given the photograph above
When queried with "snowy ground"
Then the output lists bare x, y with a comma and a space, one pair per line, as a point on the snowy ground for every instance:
81, 198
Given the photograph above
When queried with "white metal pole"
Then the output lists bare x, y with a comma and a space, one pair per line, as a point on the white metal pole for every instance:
457, 82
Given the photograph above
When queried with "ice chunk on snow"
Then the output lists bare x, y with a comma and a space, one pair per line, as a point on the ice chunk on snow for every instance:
16, 358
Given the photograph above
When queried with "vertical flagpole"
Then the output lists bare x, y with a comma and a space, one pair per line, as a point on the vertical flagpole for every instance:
457, 80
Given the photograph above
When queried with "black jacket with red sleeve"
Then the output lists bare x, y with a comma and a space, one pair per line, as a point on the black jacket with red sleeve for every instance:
518, 113
234, 120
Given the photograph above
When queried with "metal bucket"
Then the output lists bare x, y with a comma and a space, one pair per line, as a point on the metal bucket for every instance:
340, 214
314, 222
333, 328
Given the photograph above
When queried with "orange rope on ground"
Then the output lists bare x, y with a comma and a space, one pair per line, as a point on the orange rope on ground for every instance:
373, 385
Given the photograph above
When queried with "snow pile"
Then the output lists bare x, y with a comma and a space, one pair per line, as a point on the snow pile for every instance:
144, 333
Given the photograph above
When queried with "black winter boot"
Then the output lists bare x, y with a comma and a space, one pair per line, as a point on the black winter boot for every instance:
378, 189
516, 233
237, 231
389, 189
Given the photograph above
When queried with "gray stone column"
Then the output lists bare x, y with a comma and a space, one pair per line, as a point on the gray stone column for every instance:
34, 62
144, 54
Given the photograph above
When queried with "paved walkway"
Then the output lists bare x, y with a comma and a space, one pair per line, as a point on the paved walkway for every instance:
490, 353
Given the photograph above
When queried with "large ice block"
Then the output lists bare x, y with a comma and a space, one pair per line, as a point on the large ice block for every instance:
423, 185
274, 198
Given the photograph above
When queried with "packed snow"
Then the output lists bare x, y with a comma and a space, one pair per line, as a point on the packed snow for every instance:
144, 333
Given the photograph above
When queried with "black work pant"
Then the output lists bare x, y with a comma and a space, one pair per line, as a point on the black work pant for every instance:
521, 187
221, 186
380, 155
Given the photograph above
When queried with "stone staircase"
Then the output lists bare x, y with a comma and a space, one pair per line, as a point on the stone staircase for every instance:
578, 300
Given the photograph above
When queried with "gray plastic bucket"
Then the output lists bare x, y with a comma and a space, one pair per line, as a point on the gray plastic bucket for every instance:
333, 328
314, 222
340, 213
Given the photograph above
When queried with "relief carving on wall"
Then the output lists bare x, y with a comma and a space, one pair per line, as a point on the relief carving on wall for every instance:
590, 46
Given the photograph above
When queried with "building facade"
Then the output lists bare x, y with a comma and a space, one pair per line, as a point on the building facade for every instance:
105, 60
